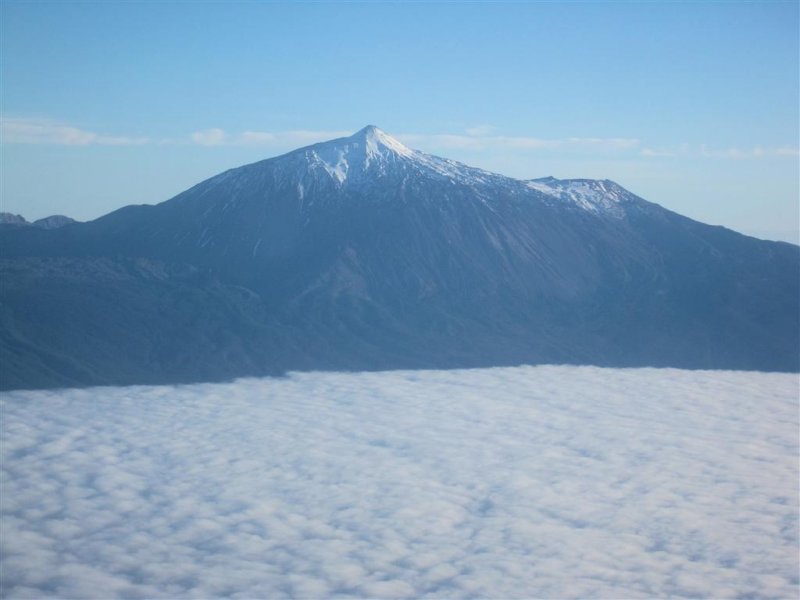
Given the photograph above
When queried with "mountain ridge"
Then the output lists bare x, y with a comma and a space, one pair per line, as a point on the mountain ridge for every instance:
360, 253
51, 222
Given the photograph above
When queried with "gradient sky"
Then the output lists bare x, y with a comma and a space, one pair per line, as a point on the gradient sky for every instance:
693, 105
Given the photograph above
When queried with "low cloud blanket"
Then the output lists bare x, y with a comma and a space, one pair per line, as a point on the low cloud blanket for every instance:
546, 482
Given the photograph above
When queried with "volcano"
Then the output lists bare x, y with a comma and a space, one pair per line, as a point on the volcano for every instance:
362, 254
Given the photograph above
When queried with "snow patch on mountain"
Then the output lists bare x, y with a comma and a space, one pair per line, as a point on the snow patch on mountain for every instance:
371, 151
378, 143
594, 195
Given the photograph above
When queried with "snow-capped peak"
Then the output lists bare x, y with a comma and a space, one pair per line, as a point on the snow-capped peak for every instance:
361, 157
377, 142
371, 152
369, 149
370, 156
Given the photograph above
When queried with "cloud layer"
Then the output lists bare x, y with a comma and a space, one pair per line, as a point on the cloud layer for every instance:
511, 482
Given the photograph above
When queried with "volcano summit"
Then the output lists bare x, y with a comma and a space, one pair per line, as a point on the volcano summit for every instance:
360, 253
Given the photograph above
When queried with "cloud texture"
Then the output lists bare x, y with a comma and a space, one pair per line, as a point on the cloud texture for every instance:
482, 138
504, 483
43, 131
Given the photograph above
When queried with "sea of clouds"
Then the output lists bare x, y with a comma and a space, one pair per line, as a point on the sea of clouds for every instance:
545, 482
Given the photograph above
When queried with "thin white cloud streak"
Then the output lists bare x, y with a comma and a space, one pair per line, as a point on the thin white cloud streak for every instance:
734, 153
209, 137
219, 137
15, 130
480, 130
38, 131
500, 142
546, 482
481, 142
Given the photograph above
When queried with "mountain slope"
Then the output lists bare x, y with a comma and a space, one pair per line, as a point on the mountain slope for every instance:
360, 253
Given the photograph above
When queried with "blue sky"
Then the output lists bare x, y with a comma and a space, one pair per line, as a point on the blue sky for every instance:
692, 105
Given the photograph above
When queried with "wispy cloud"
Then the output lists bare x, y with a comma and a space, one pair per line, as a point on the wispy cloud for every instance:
480, 138
480, 130
220, 137
42, 131
731, 152
476, 138
210, 137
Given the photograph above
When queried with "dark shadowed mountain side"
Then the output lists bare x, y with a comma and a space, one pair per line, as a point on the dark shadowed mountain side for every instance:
360, 253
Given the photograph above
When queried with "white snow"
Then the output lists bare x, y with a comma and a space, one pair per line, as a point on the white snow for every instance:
371, 152
379, 143
370, 146
596, 196
545, 482
373, 157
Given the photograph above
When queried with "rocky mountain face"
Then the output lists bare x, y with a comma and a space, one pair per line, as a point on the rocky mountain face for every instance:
360, 253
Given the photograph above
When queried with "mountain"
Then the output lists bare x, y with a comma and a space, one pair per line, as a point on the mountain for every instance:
360, 253
51, 222
12, 219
